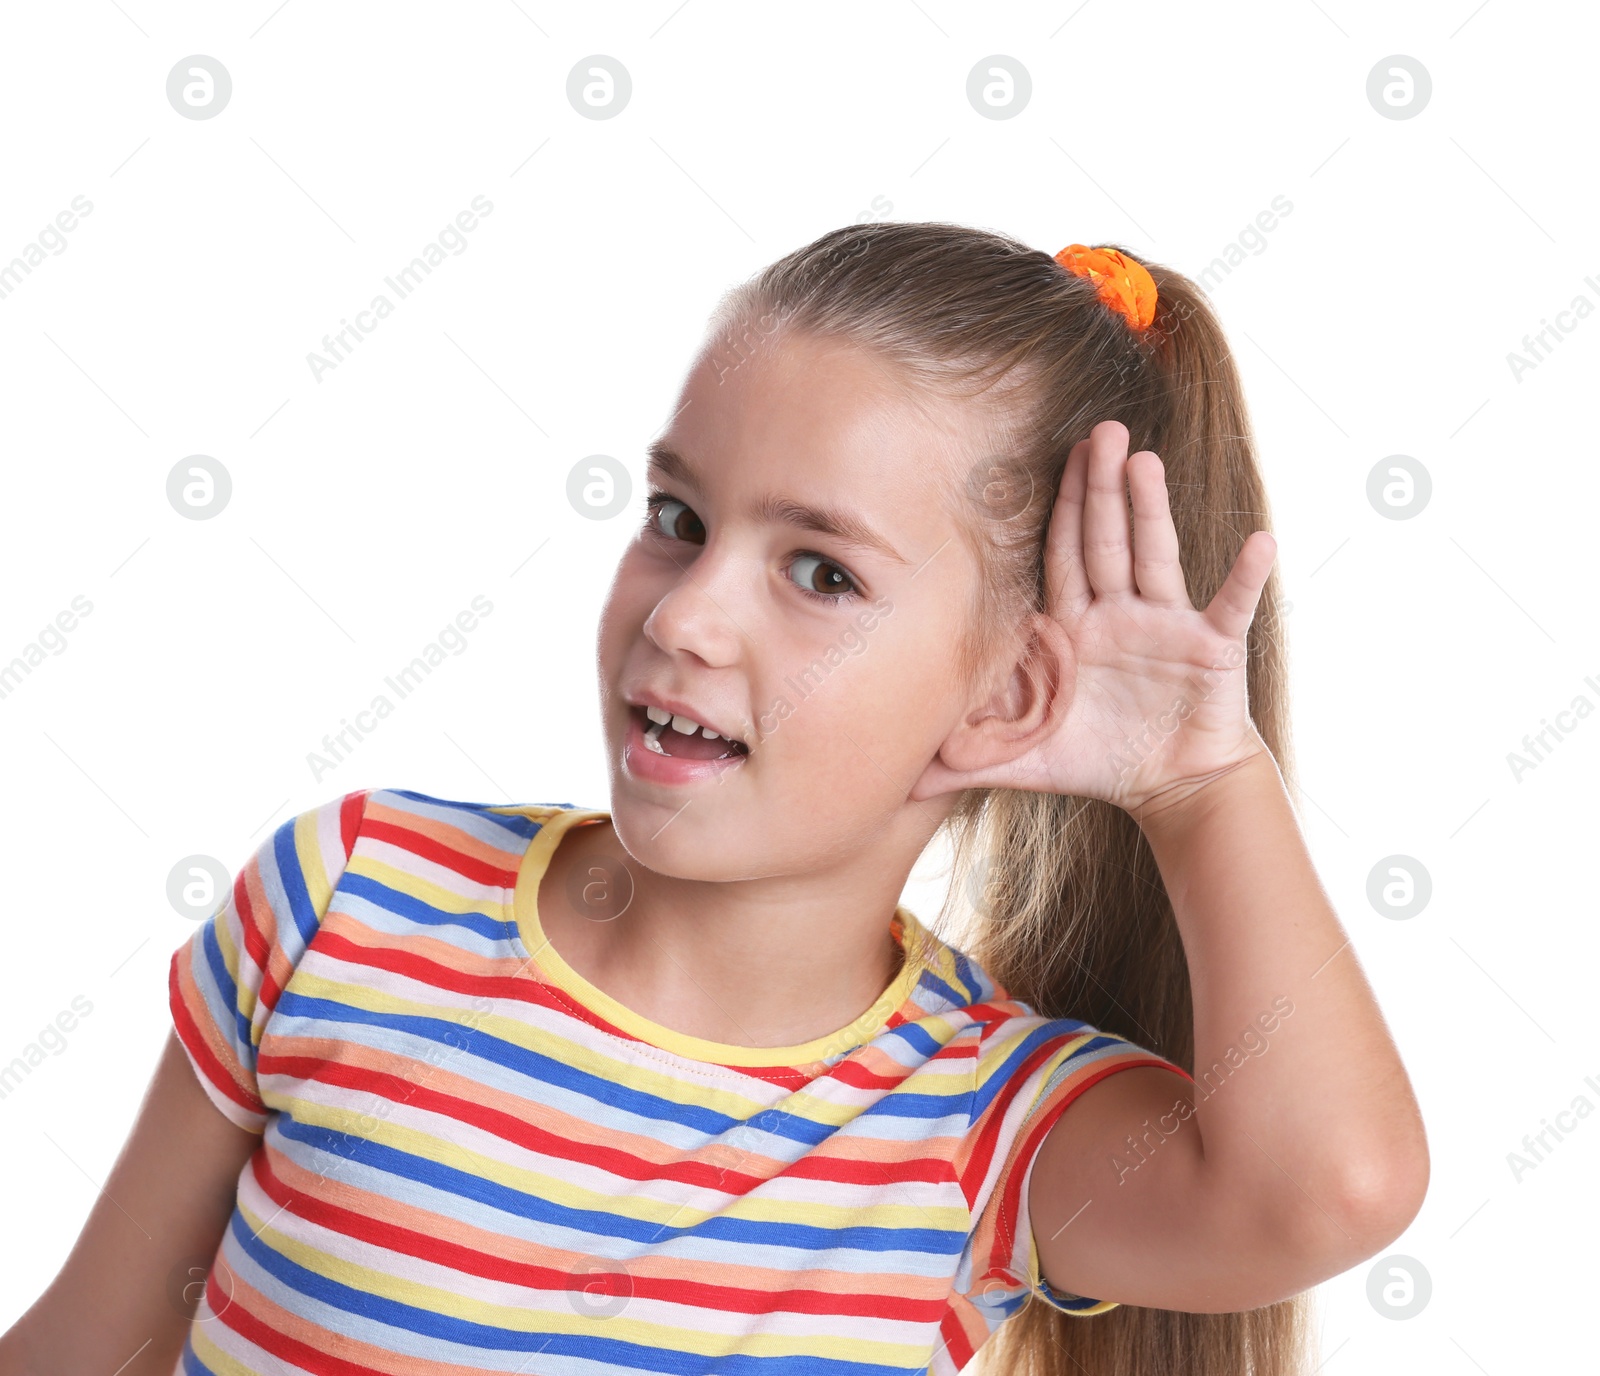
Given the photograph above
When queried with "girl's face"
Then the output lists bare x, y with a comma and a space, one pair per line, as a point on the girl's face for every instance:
828, 653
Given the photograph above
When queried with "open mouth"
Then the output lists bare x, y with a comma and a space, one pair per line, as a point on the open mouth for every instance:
665, 739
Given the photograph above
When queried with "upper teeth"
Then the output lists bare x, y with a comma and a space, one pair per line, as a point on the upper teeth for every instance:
680, 722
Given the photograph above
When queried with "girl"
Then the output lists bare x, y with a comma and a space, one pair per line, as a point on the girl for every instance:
679, 1086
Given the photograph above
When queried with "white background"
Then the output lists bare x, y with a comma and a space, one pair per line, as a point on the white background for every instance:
371, 506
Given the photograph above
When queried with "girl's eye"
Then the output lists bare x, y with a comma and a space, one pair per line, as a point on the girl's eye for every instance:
815, 576
680, 522
821, 578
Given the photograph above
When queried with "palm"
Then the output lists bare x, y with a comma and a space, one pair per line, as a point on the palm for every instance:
1158, 698
1155, 689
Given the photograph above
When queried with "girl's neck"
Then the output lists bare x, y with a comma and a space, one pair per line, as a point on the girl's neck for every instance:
731, 980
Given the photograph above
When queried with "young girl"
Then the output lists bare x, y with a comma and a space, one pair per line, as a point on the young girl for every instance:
678, 1085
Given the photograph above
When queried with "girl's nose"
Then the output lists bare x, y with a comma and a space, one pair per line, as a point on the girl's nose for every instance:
704, 612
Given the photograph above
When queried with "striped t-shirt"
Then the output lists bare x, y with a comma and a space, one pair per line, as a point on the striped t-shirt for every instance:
472, 1160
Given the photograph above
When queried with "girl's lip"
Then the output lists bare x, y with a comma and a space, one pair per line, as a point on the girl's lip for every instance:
641, 762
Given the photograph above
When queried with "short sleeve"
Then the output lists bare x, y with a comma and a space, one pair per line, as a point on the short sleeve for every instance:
224, 981
1029, 1069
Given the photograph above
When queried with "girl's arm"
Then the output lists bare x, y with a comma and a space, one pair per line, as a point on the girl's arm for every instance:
1299, 1150
119, 1301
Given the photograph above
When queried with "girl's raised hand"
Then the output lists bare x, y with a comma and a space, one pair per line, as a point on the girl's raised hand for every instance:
1150, 700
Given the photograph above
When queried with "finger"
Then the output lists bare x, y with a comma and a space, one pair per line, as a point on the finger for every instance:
1156, 564
1234, 606
1107, 549
1066, 579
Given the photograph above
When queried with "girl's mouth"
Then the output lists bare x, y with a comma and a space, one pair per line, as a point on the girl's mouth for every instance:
662, 738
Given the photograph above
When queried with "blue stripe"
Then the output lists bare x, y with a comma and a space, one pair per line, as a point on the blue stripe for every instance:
392, 900
292, 884
904, 1103
224, 984
803, 1237
948, 997
1060, 1030
972, 979
917, 1037
192, 1365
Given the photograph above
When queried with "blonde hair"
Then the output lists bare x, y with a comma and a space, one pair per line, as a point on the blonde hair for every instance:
1075, 919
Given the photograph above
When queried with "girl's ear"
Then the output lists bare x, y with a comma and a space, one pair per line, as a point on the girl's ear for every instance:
1023, 711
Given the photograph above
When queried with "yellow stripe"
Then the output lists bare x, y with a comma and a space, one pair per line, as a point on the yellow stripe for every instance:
245, 991
415, 885
998, 1052
309, 856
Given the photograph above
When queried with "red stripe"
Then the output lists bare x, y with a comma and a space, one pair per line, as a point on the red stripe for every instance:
818, 1164
954, 1335
993, 1013
352, 807
1028, 1144
858, 1076
988, 1135
190, 1035
446, 856
373, 1230
790, 1077
332, 942
257, 945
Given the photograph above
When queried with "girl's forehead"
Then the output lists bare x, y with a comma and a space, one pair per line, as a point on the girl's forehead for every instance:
826, 408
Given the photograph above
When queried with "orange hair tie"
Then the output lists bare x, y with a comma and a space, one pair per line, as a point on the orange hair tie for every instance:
1122, 282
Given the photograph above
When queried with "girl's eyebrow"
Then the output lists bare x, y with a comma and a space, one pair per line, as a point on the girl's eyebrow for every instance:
840, 523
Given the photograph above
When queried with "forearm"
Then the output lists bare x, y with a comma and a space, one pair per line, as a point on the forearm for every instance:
1302, 1102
